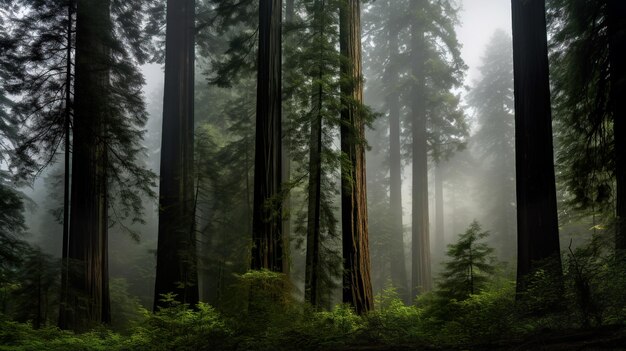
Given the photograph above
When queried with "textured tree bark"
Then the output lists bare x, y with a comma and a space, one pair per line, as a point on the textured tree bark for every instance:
267, 249
357, 286
420, 244
88, 291
312, 269
176, 270
398, 264
537, 222
617, 57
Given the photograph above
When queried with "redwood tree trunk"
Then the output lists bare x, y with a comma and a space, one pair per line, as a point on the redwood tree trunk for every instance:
88, 291
286, 171
176, 252
357, 286
312, 269
420, 244
537, 222
62, 322
267, 250
617, 56
396, 249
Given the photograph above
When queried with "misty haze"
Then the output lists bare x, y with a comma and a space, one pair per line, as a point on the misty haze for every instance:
312, 174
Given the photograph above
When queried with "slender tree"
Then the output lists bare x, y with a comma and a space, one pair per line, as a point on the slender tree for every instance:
420, 244
617, 57
398, 265
357, 287
176, 252
537, 222
66, 175
311, 279
267, 249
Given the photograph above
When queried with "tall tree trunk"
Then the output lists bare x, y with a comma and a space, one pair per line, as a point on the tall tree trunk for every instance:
286, 172
88, 292
398, 264
267, 250
537, 222
176, 252
439, 222
617, 57
62, 322
357, 286
313, 239
420, 245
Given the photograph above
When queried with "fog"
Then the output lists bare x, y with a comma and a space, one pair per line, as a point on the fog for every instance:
466, 193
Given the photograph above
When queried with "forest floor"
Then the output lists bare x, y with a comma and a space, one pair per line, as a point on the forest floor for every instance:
607, 338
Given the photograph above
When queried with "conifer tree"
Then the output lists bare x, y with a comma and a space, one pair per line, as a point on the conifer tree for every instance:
430, 72
492, 97
584, 142
584, 37
104, 94
431, 101
312, 107
469, 265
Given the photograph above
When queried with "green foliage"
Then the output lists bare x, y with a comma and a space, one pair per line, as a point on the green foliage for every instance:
393, 322
470, 265
35, 53
579, 55
22, 337
34, 298
126, 310
272, 320
487, 317
180, 328
595, 285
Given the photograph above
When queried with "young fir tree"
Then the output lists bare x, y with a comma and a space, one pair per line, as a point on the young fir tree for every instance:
492, 97
469, 266
537, 222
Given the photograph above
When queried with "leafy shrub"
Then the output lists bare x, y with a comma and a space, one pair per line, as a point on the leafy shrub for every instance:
180, 328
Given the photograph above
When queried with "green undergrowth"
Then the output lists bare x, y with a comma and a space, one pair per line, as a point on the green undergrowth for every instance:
273, 320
